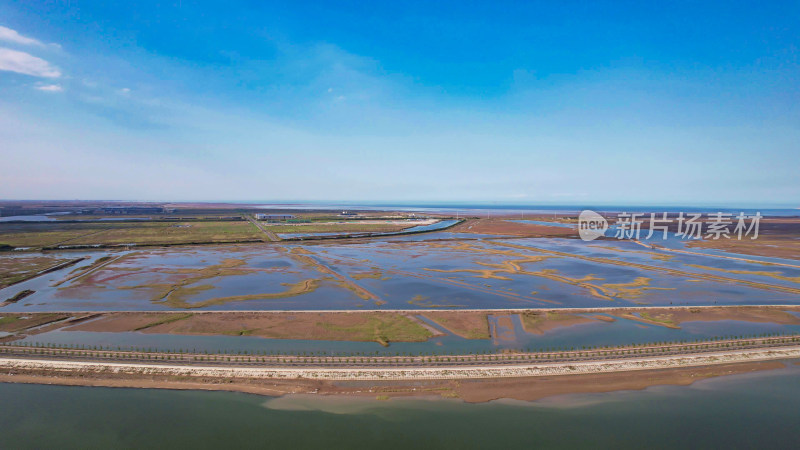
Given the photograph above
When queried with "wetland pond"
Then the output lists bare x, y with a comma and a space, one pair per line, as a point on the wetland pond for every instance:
400, 273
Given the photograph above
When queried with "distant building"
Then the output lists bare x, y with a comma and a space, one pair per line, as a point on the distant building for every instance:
130, 210
348, 213
274, 216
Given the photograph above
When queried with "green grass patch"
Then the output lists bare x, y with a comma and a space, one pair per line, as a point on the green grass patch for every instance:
666, 319
336, 227
133, 232
383, 328
14, 269
246, 332
17, 321
8, 320
174, 233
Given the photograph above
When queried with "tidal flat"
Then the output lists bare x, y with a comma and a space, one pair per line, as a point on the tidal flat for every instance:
391, 274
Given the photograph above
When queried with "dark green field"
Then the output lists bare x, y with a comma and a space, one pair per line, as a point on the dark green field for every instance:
54, 234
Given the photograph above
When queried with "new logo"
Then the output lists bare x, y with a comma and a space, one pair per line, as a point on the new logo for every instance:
591, 225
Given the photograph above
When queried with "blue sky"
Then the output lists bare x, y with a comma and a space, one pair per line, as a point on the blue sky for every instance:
513, 102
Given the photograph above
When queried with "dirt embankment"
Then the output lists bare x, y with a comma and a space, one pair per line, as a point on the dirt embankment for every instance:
673, 318
470, 390
395, 326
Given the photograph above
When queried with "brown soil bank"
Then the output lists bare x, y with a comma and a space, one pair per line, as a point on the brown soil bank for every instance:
673, 318
382, 327
467, 324
788, 247
541, 322
777, 238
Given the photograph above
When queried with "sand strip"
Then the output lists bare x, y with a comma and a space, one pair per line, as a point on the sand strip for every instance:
421, 373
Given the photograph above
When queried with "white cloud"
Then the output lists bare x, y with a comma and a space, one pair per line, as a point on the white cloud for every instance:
9, 35
21, 62
50, 88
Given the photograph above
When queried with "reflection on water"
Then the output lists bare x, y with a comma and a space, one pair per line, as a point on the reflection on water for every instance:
410, 272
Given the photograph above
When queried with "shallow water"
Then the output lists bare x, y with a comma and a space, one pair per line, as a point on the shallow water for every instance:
27, 219
741, 411
419, 274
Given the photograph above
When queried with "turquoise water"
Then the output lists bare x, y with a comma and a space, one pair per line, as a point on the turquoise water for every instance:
741, 411
434, 226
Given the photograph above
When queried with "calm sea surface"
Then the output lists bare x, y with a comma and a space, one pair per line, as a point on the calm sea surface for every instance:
742, 411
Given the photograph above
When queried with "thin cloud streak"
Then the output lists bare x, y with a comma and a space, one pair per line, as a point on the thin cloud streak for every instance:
26, 64
50, 88
9, 35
